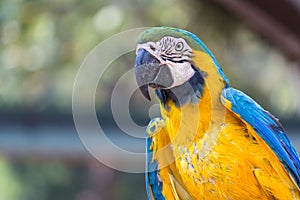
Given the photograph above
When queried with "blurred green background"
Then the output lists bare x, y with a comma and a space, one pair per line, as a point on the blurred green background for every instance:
43, 43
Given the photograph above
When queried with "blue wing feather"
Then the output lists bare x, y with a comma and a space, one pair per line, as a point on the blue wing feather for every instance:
267, 127
153, 184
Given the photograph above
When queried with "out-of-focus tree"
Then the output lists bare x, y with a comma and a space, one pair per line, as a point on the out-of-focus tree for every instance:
44, 42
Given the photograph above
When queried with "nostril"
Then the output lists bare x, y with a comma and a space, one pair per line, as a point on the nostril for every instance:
152, 48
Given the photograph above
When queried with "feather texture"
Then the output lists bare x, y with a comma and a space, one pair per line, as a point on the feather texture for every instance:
222, 145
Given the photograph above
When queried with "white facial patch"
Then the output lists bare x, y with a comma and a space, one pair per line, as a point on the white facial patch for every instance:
181, 72
176, 54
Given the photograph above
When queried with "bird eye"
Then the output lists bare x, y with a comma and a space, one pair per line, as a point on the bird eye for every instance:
179, 46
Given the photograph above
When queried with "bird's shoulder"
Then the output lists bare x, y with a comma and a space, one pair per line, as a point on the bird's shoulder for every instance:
265, 126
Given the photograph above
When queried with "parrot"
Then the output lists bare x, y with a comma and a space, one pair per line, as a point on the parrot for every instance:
211, 141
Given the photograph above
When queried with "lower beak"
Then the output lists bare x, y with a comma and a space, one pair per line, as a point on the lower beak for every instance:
150, 72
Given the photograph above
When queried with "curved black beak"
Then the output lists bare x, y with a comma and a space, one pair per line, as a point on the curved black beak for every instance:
150, 72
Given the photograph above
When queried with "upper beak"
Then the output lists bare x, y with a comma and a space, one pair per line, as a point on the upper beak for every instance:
150, 72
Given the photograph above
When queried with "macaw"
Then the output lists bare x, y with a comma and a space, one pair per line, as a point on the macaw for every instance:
211, 141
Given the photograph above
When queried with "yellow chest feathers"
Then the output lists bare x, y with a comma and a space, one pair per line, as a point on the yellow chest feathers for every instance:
217, 156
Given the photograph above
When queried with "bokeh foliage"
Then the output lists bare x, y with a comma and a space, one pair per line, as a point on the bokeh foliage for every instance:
44, 42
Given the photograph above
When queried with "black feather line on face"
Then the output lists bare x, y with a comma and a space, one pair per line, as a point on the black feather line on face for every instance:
184, 93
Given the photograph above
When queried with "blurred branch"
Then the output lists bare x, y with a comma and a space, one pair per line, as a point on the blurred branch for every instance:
277, 20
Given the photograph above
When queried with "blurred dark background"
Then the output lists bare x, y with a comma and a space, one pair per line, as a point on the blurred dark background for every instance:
43, 43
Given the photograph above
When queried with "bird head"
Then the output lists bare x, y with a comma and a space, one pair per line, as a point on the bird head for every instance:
176, 63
